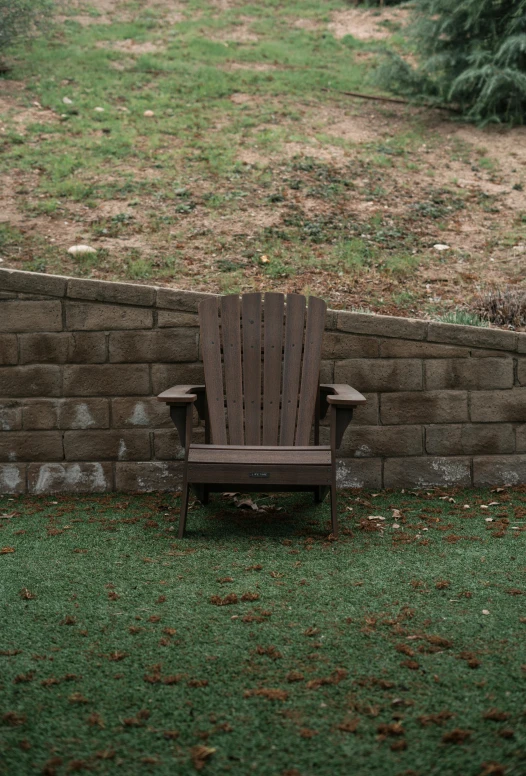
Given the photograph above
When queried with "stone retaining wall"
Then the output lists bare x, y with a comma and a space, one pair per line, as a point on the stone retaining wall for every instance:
82, 360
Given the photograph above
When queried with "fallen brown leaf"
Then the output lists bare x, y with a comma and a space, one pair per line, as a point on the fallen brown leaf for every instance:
231, 598
456, 736
199, 755
267, 692
496, 715
349, 725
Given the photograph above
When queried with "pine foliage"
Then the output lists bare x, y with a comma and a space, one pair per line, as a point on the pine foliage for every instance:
472, 54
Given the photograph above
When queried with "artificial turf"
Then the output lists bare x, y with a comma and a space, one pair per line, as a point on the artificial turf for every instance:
398, 649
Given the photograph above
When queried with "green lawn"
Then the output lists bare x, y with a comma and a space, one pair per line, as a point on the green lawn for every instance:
392, 651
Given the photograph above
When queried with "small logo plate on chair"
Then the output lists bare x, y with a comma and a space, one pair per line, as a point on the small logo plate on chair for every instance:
259, 474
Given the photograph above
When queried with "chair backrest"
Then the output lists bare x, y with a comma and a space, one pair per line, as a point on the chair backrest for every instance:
261, 354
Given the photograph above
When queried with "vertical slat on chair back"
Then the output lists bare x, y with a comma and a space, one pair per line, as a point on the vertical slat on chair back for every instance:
294, 327
272, 362
231, 331
251, 311
310, 372
211, 349
231, 339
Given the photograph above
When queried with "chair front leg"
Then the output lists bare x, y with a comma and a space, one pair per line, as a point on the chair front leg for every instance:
186, 440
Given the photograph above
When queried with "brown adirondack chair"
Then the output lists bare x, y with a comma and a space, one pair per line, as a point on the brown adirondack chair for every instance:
261, 398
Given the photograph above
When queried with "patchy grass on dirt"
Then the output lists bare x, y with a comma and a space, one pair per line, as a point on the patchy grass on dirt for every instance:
259, 646
208, 145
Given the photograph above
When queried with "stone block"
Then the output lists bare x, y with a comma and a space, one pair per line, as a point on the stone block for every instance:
75, 347
12, 478
168, 445
166, 375
379, 441
40, 414
521, 371
326, 372
26, 446
413, 349
90, 316
8, 349
499, 470
424, 407
472, 336
10, 416
145, 412
173, 318
106, 380
427, 472
158, 345
399, 374
148, 476
121, 445
521, 342
474, 374
499, 406
69, 477
104, 291
470, 439
359, 473
39, 380
331, 319
382, 325
18, 315
32, 282
367, 414
185, 301
520, 439
337, 346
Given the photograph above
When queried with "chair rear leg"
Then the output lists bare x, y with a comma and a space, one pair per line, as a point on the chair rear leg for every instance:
183, 510
334, 510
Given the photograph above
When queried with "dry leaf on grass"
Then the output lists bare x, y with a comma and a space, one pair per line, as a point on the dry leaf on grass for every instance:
26, 594
231, 598
13, 718
267, 692
456, 736
349, 725
199, 755
295, 676
6, 550
435, 719
495, 715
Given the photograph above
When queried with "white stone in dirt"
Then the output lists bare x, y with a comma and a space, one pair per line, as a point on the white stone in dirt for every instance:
67, 101
441, 247
148, 114
81, 250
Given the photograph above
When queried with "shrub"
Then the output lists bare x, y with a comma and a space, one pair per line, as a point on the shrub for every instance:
472, 54
22, 19
506, 307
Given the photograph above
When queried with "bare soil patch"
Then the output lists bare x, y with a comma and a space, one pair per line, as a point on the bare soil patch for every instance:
366, 24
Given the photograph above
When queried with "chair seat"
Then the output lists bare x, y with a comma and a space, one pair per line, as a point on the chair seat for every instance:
248, 454
256, 466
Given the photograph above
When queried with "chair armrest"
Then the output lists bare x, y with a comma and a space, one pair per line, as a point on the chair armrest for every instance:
180, 399
343, 399
180, 394
343, 395
340, 395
